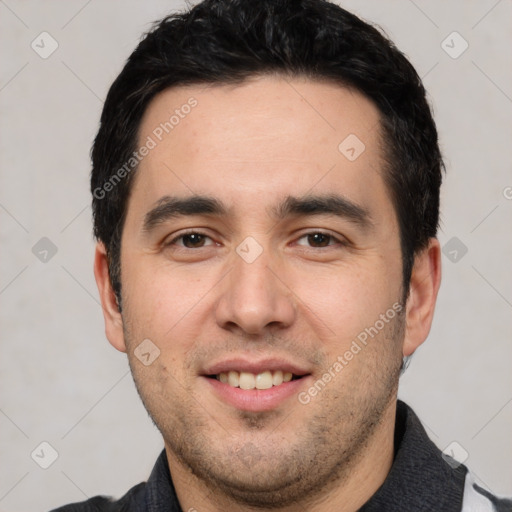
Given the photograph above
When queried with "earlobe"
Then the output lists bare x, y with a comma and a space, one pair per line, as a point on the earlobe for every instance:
423, 289
111, 313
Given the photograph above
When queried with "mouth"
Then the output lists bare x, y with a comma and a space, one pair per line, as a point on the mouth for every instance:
255, 386
262, 380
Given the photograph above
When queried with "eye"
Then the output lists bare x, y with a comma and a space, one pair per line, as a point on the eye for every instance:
191, 240
318, 239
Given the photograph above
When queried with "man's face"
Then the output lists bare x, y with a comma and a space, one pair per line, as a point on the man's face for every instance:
291, 254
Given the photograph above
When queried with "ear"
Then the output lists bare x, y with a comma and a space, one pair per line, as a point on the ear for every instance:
111, 313
423, 288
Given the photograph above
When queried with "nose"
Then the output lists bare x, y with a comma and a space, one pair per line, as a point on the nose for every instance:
255, 298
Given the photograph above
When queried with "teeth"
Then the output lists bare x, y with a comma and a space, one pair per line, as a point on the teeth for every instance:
264, 380
234, 379
277, 378
246, 380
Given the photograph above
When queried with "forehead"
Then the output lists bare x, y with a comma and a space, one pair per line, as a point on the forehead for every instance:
258, 138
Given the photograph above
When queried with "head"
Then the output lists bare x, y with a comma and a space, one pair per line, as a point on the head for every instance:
266, 192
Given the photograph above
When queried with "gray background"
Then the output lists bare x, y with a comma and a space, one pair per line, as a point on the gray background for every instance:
60, 380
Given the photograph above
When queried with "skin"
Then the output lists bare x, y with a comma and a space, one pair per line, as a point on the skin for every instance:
250, 146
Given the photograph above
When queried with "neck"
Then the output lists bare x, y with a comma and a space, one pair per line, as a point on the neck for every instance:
368, 473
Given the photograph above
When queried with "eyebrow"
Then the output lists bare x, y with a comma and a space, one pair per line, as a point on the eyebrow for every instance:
169, 207
331, 204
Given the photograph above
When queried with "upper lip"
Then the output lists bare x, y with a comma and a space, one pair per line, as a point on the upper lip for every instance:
241, 364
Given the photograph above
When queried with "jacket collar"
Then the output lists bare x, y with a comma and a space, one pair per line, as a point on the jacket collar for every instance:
420, 479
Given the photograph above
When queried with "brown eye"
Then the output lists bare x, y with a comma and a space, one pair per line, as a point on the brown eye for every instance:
193, 240
190, 240
319, 239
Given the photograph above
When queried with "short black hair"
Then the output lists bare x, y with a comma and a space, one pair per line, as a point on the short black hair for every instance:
229, 41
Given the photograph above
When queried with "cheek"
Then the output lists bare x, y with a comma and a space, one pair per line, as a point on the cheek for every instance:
164, 302
343, 301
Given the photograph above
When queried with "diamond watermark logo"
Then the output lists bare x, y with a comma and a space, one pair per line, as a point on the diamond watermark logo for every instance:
44, 45
455, 249
44, 250
147, 352
454, 45
352, 147
249, 250
44, 455
455, 454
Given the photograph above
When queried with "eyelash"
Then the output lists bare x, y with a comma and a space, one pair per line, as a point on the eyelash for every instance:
336, 241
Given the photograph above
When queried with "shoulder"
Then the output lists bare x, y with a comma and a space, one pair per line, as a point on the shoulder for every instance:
478, 499
158, 491
132, 501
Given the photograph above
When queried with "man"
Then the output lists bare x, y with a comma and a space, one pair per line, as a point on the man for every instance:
266, 192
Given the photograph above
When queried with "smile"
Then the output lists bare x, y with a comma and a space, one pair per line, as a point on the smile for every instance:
261, 380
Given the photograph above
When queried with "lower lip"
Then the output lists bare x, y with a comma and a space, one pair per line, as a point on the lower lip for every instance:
256, 400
